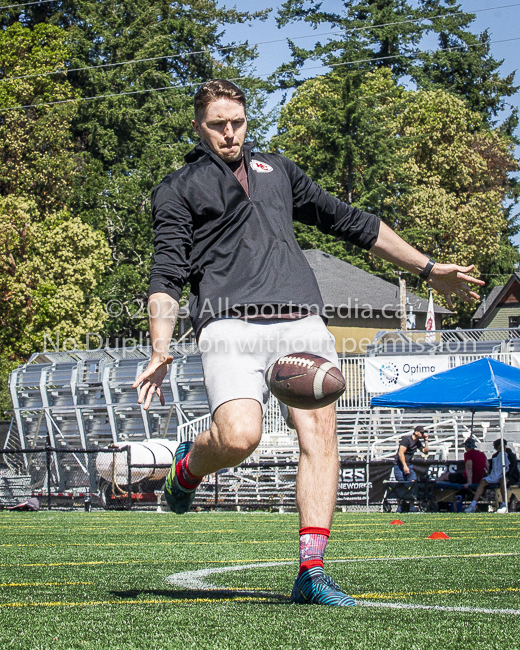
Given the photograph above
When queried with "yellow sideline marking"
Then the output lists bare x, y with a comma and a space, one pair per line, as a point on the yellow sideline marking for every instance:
89, 563
260, 561
487, 537
119, 544
393, 594
418, 557
97, 562
244, 542
42, 584
76, 531
135, 602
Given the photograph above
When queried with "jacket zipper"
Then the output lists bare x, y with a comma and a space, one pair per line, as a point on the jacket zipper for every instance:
247, 158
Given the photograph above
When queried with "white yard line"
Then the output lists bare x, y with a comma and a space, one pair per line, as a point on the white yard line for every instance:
197, 581
440, 608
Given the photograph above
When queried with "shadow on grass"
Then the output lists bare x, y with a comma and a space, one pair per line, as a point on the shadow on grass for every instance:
209, 594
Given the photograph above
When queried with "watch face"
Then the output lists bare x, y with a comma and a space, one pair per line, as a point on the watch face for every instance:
389, 374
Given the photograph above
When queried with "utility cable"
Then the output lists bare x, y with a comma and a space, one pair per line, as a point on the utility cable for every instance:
26, 4
197, 83
235, 47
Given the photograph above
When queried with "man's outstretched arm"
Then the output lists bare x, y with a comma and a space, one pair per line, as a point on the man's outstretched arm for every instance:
444, 278
163, 311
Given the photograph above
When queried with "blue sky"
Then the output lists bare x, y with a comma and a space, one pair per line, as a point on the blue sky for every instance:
502, 23
501, 20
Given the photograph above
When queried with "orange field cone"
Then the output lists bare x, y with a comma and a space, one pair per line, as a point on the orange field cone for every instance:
397, 522
438, 535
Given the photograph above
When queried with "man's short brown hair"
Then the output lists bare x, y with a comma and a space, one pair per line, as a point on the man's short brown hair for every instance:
213, 90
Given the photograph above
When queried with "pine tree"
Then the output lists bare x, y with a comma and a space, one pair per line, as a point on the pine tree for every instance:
464, 64
50, 261
130, 142
389, 33
423, 161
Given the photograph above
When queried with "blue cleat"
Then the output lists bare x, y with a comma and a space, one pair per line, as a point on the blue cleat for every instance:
178, 499
314, 587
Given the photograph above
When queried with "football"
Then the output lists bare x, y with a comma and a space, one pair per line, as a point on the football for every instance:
305, 381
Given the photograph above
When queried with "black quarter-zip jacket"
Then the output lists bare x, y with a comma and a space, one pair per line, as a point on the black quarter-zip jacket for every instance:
236, 250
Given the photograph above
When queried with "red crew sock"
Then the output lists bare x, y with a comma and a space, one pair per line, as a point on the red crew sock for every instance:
186, 479
313, 542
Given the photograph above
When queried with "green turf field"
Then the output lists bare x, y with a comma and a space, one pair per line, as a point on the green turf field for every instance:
99, 580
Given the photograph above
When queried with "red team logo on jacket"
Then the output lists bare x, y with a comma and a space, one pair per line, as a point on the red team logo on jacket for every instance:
260, 167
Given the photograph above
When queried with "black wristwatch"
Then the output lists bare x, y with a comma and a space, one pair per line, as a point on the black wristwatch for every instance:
424, 274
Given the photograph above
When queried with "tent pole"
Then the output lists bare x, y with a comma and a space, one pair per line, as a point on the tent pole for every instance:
503, 451
367, 467
472, 419
456, 427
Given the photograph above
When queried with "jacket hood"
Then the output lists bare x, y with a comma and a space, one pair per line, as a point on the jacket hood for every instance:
202, 149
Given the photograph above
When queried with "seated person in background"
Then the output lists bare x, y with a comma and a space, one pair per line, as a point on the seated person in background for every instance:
495, 476
475, 466
512, 475
408, 445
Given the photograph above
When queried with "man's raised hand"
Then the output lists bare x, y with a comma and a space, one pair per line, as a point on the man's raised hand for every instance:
151, 380
449, 279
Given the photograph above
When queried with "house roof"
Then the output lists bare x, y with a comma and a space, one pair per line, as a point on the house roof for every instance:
487, 302
495, 297
340, 282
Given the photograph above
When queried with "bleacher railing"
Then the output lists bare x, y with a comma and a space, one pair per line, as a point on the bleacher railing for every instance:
190, 430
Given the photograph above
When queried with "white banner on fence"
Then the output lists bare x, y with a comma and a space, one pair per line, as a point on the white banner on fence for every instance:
515, 359
384, 374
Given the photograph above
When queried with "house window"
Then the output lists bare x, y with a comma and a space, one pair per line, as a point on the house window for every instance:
514, 321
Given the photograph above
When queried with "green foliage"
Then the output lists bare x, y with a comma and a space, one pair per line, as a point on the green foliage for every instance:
379, 30
464, 64
50, 262
423, 161
130, 142
6, 366
47, 278
37, 155
389, 33
455, 171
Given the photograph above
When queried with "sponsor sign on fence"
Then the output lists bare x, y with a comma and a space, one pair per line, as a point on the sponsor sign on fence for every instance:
384, 374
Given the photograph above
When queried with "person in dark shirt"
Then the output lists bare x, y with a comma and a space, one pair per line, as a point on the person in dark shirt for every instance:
223, 223
408, 445
496, 475
512, 474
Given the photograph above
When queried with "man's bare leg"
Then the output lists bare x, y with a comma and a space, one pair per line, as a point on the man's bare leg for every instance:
317, 481
316, 488
480, 489
234, 434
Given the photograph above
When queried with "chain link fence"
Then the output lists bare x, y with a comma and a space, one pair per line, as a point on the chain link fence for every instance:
107, 478
63, 478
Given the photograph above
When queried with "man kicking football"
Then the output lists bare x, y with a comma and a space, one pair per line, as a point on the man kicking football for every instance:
223, 224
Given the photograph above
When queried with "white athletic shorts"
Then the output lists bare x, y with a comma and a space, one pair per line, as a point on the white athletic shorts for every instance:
237, 353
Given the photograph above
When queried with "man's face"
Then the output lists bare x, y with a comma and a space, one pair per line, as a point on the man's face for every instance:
223, 128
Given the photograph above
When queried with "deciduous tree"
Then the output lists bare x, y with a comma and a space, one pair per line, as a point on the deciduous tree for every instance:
423, 161
132, 140
50, 262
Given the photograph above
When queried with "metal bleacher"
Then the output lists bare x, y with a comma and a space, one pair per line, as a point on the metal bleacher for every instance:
85, 399
378, 432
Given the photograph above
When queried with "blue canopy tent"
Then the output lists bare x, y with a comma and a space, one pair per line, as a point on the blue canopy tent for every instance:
484, 385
